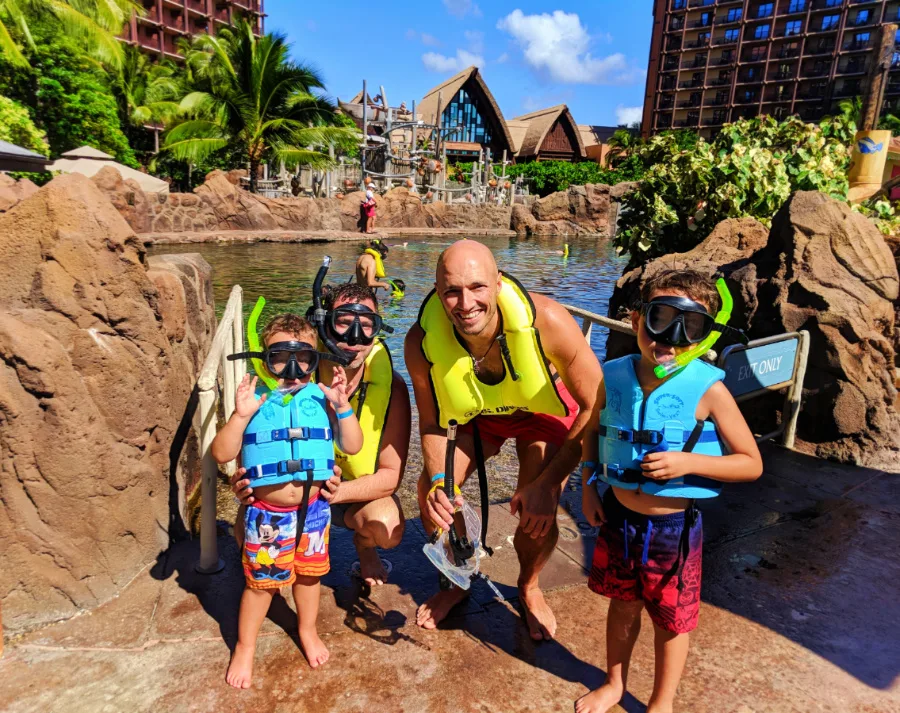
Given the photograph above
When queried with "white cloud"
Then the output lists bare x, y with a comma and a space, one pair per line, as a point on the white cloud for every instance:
559, 45
443, 64
476, 41
629, 114
424, 38
461, 8
503, 58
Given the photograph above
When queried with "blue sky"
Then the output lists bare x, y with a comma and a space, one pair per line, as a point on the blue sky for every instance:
589, 54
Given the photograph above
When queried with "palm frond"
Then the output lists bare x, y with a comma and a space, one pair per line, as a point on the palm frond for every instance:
98, 40
10, 49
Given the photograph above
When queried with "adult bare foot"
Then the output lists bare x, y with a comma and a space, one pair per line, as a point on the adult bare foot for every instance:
371, 569
240, 670
600, 699
313, 648
436, 609
538, 614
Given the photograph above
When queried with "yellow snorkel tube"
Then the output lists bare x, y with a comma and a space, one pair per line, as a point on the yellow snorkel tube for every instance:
698, 350
253, 342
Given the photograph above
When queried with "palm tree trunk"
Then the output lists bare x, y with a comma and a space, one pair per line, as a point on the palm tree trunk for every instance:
254, 175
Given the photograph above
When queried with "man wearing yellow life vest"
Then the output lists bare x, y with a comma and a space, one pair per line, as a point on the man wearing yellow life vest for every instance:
490, 355
370, 266
363, 498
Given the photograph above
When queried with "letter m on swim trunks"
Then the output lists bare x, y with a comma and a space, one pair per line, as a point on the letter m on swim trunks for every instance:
316, 543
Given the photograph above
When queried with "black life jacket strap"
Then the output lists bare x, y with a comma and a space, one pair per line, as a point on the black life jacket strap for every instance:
304, 506
482, 486
692, 440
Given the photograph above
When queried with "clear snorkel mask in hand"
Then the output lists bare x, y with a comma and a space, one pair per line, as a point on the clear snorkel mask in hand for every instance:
679, 321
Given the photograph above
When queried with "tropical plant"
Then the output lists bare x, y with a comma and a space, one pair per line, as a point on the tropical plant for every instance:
67, 95
620, 144
249, 95
749, 169
17, 127
94, 24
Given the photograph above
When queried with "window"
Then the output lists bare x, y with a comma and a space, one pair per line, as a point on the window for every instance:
833, 3
861, 39
758, 53
678, 4
765, 9
731, 35
895, 60
863, 17
734, 14
466, 111
792, 28
702, 39
748, 95
797, 6
761, 32
830, 21
705, 19
751, 73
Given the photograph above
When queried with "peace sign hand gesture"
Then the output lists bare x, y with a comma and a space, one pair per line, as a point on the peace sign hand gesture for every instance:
337, 392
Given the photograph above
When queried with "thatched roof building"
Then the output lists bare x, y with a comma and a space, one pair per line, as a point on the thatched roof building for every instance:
547, 135
467, 102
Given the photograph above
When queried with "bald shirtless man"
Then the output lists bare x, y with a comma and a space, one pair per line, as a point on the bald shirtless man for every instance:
546, 409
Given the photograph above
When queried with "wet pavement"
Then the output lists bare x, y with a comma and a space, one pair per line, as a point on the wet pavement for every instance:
799, 616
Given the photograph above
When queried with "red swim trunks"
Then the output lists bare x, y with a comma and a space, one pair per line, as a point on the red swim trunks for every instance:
536, 427
642, 557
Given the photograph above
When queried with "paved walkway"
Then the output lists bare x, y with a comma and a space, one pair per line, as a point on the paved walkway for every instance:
305, 236
800, 616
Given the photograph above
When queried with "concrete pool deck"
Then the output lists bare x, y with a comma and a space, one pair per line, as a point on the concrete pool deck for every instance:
799, 615
308, 236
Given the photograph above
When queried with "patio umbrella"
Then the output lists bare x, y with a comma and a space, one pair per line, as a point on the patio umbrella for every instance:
89, 161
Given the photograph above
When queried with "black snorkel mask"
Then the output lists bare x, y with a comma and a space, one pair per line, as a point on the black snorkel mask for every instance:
287, 360
354, 324
677, 321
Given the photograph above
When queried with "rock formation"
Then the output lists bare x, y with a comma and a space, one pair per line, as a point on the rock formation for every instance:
13, 191
221, 204
825, 269
580, 210
96, 369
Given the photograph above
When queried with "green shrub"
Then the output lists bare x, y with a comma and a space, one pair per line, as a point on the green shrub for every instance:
749, 169
17, 127
546, 177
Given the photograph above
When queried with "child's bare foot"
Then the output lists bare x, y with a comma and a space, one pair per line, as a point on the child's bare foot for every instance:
600, 699
240, 670
436, 609
371, 569
313, 648
539, 615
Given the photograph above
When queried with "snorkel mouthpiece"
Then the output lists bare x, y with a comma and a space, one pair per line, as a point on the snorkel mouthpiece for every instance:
698, 350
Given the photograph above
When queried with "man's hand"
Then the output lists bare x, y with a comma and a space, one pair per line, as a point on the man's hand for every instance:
536, 505
439, 509
337, 393
330, 491
591, 505
245, 402
240, 486
666, 465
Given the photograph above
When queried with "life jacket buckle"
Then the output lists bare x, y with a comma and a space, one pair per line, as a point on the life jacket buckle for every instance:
648, 438
292, 466
300, 433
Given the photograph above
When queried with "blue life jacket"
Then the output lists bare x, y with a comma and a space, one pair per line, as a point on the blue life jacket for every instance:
285, 442
631, 427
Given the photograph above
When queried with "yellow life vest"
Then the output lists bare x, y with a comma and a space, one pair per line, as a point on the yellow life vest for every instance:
379, 263
457, 390
375, 392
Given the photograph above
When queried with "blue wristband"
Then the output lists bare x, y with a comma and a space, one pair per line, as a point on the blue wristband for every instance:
436, 477
588, 464
345, 414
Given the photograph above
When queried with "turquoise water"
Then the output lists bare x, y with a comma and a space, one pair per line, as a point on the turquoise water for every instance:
284, 274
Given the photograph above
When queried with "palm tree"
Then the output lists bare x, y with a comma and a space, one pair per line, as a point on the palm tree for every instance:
620, 143
93, 22
147, 93
249, 95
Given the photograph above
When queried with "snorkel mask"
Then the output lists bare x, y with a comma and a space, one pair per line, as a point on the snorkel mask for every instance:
290, 360
679, 321
353, 323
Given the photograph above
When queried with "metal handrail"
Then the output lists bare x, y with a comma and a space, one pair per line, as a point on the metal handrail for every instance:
228, 339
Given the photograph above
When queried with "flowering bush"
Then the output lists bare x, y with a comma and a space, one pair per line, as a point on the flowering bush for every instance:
749, 169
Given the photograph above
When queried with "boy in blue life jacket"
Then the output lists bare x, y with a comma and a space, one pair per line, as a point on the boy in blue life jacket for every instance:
285, 433
660, 442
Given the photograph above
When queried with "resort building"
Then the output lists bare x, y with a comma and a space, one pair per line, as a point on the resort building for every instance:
547, 135
465, 101
595, 140
158, 31
715, 61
